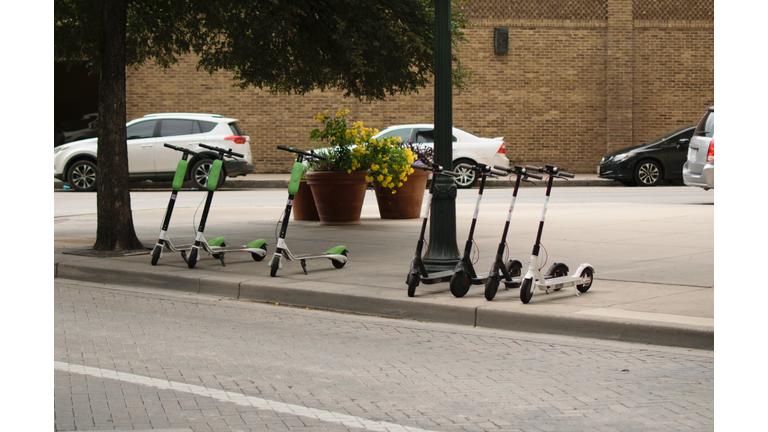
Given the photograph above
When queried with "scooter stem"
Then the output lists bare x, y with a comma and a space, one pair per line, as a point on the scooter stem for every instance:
543, 216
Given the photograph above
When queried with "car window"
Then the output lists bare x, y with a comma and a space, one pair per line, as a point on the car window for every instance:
428, 136
145, 129
706, 126
403, 133
207, 126
235, 128
179, 127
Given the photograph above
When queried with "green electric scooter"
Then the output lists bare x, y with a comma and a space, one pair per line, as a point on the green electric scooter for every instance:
217, 247
337, 255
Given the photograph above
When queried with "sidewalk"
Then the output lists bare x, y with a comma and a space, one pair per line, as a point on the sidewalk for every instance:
641, 293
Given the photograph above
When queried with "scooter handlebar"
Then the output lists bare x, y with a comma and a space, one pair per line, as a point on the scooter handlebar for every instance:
221, 151
435, 168
181, 149
310, 154
521, 171
551, 170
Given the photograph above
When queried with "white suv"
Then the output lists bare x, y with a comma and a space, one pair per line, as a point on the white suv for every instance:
148, 159
699, 169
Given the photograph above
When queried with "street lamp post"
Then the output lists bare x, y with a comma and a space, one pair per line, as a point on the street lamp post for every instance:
443, 252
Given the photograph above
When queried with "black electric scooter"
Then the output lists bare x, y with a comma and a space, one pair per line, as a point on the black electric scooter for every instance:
337, 255
217, 247
464, 274
511, 271
178, 179
418, 270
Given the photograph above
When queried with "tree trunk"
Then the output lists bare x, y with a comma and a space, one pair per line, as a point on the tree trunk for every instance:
114, 230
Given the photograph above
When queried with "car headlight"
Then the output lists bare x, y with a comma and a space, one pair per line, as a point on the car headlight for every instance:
622, 157
57, 150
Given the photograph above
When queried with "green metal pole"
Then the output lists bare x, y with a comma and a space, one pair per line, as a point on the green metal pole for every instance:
443, 252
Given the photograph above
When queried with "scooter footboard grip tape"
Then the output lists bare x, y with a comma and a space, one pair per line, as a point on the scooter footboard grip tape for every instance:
213, 177
178, 177
296, 173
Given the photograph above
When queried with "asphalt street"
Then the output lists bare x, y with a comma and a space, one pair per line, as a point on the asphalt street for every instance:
128, 358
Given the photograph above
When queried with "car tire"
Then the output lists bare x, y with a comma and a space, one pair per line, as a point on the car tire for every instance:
467, 178
200, 172
648, 173
83, 175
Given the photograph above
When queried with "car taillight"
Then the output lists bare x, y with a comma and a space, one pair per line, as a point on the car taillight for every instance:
711, 151
236, 138
502, 150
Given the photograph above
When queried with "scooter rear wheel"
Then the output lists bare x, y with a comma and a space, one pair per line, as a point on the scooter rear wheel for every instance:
460, 283
526, 290
257, 257
339, 264
587, 275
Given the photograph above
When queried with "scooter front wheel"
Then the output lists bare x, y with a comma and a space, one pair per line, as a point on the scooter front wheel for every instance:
274, 267
526, 290
492, 285
587, 275
460, 283
192, 260
156, 254
413, 282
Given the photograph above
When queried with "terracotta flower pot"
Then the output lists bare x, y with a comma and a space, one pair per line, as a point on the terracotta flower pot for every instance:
338, 195
304, 204
405, 203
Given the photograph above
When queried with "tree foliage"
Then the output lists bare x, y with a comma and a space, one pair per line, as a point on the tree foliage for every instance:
364, 48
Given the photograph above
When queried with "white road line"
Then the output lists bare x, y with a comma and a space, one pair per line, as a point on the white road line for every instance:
239, 399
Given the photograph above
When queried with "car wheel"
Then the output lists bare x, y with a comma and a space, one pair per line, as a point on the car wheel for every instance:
648, 173
467, 177
200, 172
82, 176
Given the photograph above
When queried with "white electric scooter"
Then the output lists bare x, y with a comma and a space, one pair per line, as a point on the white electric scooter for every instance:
534, 278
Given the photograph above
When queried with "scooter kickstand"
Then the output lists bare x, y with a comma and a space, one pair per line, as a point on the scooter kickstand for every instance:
304, 266
221, 258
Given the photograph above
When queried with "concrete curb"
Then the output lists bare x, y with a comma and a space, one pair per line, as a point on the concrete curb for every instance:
318, 295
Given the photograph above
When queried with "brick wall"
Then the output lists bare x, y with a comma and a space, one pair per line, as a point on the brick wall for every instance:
581, 78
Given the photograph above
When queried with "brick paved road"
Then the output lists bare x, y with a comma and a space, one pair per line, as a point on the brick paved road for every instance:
132, 359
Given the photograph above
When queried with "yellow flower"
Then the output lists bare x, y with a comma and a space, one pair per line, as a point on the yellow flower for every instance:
384, 171
349, 171
394, 192
368, 178
380, 177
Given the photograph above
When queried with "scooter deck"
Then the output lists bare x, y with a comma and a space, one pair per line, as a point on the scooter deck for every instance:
438, 277
514, 283
236, 249
553, 283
